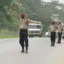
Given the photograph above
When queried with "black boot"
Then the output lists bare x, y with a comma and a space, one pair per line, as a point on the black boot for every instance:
59, 42
22, 50
52, 43
26, 49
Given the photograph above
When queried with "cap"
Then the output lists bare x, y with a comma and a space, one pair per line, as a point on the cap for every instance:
52, 22
22, 14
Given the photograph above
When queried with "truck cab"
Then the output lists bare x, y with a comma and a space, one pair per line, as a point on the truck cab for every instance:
35, 29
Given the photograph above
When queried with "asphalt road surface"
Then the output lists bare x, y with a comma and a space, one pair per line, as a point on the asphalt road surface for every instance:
40, 52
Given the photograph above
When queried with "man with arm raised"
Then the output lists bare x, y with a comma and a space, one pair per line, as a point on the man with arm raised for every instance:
23, 25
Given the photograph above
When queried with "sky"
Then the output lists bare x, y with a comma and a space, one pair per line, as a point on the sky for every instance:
61, 1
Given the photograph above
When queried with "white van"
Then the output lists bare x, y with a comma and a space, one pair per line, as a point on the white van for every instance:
35, 29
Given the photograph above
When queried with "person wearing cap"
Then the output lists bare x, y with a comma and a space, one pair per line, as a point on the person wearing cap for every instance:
24, 23
23, 32
52, 30
60, 29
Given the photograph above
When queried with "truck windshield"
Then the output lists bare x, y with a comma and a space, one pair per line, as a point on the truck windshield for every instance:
34, 26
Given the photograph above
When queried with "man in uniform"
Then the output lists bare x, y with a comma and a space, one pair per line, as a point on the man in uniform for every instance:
60, 29
52, 29
24, 23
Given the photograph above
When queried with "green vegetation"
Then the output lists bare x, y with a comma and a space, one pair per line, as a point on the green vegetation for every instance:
5, 33
34, 9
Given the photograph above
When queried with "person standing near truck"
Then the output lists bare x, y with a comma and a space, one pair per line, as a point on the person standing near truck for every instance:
23, 25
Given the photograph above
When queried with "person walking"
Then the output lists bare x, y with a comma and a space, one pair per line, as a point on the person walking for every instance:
60, 29
52, 30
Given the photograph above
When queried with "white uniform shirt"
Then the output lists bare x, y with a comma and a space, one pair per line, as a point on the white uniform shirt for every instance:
23, 24
52, 28
59, 28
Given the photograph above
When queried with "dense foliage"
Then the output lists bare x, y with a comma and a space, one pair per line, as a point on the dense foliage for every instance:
34, 9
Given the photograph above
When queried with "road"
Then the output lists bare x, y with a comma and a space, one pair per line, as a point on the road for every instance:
40, 52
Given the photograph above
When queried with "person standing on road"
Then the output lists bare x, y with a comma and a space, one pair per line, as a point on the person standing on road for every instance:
60, 29
52, 30
23, 25
23, 32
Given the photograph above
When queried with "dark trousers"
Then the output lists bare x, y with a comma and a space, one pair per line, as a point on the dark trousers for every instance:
59, 37
52, 37
23, 37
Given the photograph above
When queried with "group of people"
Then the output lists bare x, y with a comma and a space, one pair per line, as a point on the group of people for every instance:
23, 25
53, 28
